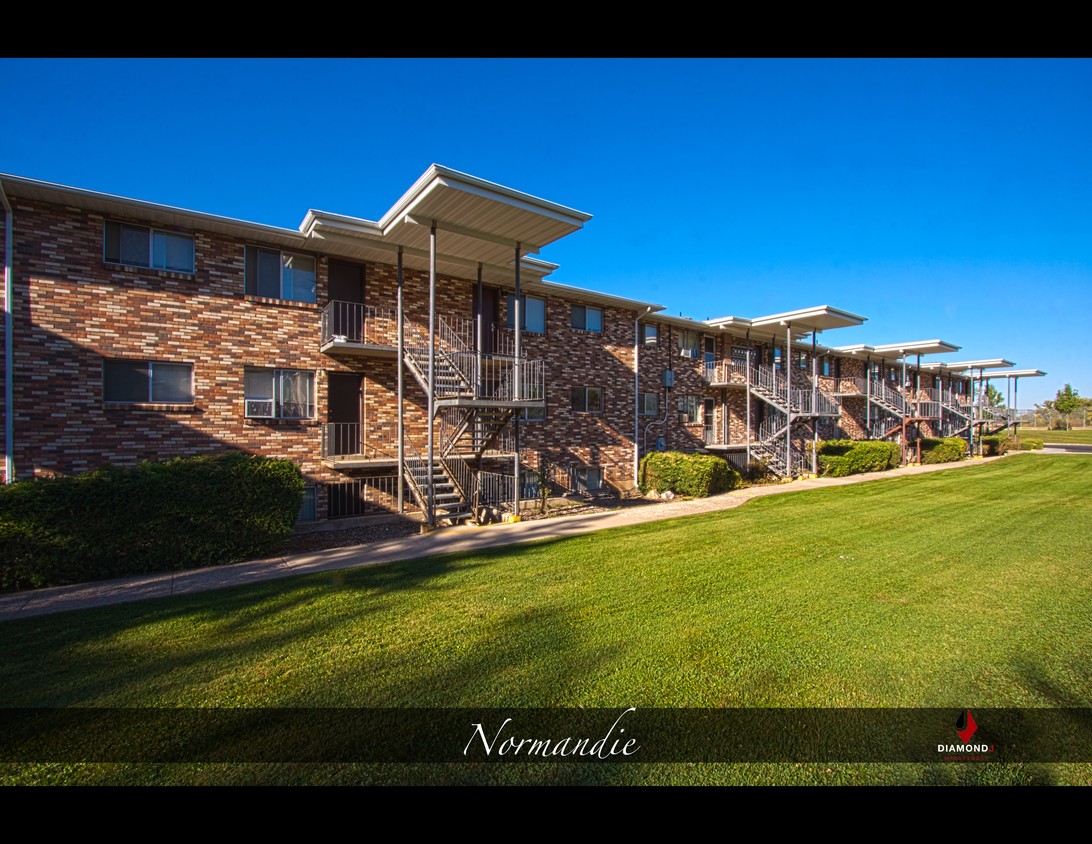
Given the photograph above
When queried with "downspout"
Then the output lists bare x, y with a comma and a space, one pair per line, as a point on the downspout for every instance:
637, 394
9, 345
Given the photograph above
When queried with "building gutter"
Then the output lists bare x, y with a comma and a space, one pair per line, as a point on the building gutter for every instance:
9, 344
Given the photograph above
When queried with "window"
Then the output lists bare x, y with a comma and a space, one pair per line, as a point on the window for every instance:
689, 410
308, 504
650, 334
532, 313
533, 414
587, 319
650, 404
141, 246
588, 399
279, 393
689, 343
138, 381
777, 359
826, 366
279, 275
801, 360
587, 478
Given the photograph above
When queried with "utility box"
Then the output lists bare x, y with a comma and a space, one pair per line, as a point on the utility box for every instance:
669, 379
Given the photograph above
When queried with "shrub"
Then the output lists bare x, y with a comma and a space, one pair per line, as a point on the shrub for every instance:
994, 445
838, 458
943, 450
757, 471
177, 514
696, 475
1030, 444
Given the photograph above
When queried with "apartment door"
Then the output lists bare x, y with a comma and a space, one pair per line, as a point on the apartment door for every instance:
343, 412
347, 294
710, 353
489, 309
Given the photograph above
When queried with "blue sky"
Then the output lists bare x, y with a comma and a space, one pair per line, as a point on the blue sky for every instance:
948, 199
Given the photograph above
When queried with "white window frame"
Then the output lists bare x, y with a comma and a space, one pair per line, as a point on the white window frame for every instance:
281, 255
150, 364
644, 402
277, 400
152, 232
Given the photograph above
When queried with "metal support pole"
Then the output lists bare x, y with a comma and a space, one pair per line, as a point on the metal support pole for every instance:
747, 375
787, 367
1015, 404
814, 407
9, 341
431, 516
401, 391
480, 328
516, 391
868, 397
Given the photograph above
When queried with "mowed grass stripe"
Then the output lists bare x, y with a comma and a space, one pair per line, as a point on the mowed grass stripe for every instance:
963, 588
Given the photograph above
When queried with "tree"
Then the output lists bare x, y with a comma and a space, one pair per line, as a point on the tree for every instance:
1067, 401
994, 398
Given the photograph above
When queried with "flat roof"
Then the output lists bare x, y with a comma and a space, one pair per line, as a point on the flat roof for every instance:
1018, 373
988, 363
918, 347
165, 215
818, 318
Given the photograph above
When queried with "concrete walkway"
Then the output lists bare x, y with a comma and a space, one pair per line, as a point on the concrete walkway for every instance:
444, 541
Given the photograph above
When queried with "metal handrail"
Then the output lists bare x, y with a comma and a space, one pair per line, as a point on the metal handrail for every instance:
354, 322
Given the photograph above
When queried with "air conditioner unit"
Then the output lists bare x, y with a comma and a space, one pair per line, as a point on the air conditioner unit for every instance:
688, 353
259, 408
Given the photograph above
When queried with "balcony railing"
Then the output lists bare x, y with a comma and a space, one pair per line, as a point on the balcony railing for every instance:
358, 324
725, 372
350, 440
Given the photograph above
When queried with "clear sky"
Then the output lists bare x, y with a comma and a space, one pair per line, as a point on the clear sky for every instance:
947, 199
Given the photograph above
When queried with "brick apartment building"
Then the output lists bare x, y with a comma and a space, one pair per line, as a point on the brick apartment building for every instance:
139, 331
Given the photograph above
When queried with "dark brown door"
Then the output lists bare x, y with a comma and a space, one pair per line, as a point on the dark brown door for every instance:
343, 411
489, 308
347, 294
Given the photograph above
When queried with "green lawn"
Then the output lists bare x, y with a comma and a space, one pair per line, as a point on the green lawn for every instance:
1078, 435
970, 587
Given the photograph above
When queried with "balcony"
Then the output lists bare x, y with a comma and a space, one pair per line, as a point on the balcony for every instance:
845, 386
347, 445
726, 373
354, 329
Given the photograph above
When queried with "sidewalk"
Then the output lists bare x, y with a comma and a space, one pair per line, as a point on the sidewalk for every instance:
443, 541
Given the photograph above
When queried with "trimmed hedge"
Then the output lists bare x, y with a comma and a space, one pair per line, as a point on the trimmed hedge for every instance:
942, 450
178, 514
994, 445
1029, 444
838, 458
695, 475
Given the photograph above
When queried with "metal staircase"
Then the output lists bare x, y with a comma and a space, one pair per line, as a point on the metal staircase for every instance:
475, 398
804, 403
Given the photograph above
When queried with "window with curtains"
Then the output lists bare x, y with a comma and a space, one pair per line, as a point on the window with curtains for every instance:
279, 393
